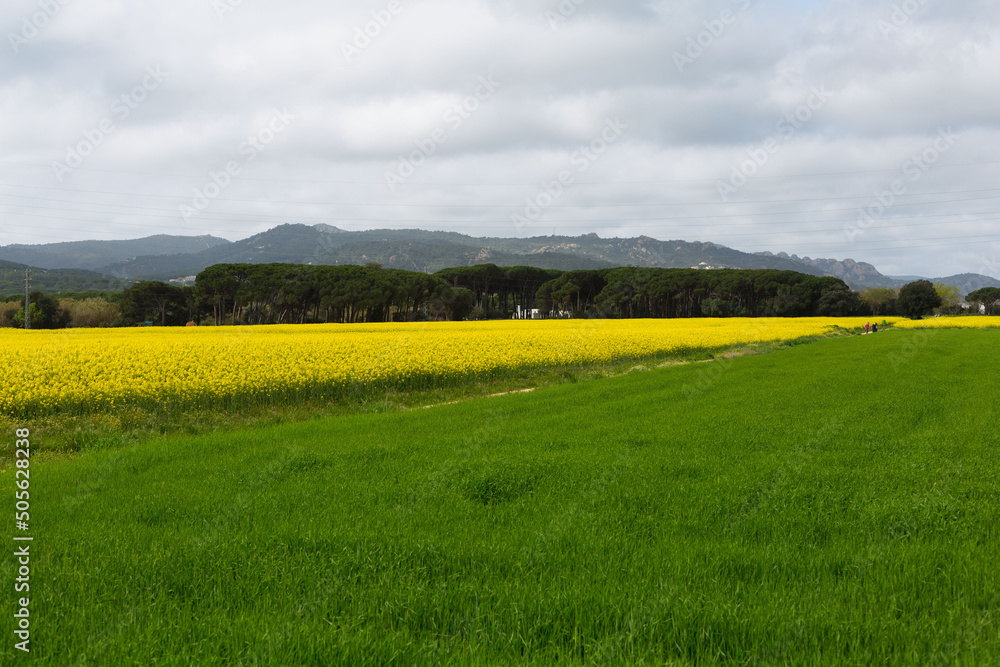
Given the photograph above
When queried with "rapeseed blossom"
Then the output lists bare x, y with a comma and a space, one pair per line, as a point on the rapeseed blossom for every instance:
96, 370
960, 322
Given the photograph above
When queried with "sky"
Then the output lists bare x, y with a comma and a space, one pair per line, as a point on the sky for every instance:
854, 129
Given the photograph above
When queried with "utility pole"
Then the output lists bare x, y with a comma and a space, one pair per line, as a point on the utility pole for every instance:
27, 299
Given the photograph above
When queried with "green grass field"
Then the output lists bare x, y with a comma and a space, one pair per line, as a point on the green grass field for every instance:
831, 503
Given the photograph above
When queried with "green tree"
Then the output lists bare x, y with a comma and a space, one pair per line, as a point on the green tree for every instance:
950, 297
918, 298
455, 302
988, 297
154, 301
715, 308
565, 295
46, 313
91, 312
837, 300
877, 298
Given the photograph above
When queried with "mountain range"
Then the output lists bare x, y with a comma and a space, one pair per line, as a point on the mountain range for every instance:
179, 258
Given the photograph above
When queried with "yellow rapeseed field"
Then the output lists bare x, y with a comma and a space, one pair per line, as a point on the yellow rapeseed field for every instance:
961, 322
93, 370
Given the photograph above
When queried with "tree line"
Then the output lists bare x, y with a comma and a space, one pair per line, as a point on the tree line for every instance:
227, 294
651, 292
282, 293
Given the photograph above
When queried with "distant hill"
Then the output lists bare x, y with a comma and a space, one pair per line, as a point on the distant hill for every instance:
415, 250
94, 255
857, 275
54, 280
968, 282
293, 244
647, 251
177, 257
419, 250
431, 257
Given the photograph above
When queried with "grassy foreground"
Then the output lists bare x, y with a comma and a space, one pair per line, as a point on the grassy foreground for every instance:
832, 503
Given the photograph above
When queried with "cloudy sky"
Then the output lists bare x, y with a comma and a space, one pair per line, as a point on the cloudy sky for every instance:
823, 128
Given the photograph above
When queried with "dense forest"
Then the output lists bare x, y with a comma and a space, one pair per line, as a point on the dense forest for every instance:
54, 280
274, 293
291, 293
294, 293
648, 292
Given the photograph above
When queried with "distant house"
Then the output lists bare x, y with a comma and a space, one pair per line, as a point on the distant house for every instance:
535, 314
968, 306
185, 281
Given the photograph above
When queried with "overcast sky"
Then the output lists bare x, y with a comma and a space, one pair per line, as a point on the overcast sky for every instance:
854, 128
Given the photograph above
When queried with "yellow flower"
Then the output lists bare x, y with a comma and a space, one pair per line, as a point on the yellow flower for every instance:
86, 370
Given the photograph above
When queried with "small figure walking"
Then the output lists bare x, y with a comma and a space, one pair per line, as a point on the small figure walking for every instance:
867, 324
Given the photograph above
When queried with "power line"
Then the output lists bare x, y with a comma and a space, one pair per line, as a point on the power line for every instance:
202, 176
521, 206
